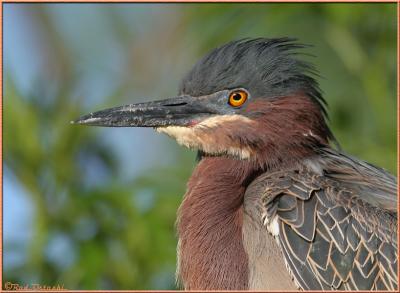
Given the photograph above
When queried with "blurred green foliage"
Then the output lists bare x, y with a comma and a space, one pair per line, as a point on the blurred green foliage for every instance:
120, 233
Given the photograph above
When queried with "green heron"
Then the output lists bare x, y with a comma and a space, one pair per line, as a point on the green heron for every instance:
271, 204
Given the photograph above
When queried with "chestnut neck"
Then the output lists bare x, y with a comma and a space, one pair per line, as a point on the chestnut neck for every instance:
287, 129
210, 219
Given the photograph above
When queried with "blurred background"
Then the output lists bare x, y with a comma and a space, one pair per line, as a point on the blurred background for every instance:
94, 208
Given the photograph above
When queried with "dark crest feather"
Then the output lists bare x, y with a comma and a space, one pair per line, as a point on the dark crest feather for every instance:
266, 67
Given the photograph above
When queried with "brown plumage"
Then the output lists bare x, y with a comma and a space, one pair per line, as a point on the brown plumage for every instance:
271, 204
211, 225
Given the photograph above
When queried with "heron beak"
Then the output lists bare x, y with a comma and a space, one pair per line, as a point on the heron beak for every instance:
179, 111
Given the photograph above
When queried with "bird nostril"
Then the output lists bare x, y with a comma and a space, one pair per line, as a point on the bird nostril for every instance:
177, 104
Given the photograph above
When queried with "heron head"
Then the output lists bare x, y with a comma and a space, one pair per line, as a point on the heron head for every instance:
245, 99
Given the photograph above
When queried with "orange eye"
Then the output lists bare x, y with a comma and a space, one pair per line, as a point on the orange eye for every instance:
237, 98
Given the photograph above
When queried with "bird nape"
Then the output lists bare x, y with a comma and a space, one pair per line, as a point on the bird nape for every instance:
270, 204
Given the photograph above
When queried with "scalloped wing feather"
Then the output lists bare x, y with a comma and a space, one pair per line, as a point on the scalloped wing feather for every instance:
337, 222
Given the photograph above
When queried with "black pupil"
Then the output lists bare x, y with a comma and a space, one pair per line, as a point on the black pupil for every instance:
237, 97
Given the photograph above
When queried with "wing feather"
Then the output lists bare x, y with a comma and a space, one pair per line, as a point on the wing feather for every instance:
337, 228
